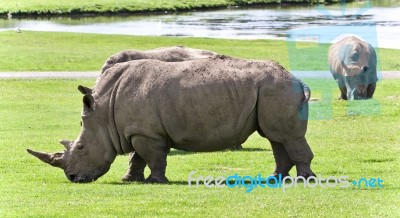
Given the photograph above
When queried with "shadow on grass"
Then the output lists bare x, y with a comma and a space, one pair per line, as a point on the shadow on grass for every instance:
255, 149
143, 183
376, 160
180, 152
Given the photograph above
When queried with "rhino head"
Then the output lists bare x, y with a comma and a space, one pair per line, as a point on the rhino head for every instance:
88, 157
359, 66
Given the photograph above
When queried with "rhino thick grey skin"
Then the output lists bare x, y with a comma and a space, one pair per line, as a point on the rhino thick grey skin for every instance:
150, 106
352, 62
167, 54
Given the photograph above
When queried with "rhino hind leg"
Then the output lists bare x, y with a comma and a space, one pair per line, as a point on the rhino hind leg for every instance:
154, 153
301, 155
283, 162
135, 172
281, 124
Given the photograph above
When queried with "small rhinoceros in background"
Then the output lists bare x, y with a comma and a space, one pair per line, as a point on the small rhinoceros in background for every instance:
167, 54
352, 62
150, 106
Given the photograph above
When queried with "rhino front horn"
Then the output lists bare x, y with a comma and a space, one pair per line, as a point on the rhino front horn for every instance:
55, 160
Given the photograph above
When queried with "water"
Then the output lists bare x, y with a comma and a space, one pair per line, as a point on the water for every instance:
379, 23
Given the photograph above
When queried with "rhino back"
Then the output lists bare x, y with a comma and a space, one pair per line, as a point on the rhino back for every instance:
209, 106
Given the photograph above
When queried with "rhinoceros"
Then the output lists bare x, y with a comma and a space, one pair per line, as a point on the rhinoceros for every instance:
168, 54
150, 106
352, 62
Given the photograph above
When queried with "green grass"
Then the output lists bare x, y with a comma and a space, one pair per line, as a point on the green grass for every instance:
36, 114
57, 7
357, 139
41, 51
47, 51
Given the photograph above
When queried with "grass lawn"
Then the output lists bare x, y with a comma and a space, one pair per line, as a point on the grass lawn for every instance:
357, 141
40, 7
46, 51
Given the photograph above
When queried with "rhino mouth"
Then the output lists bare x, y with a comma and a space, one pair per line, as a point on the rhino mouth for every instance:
80, 179
85, 177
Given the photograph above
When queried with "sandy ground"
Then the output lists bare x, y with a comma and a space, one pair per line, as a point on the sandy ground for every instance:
94, 74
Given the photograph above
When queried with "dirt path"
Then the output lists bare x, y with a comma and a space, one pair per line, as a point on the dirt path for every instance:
49, 75
95, 74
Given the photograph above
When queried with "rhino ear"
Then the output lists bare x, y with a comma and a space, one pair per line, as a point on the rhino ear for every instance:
67, 144
88, 102
84, 90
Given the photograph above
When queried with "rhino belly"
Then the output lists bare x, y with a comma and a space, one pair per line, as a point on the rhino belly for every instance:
215, 122
214, 139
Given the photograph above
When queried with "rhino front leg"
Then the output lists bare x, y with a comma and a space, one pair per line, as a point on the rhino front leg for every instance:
135, 172
301, 155
343, 93
154, 153
236, 147
371, 90
283, 162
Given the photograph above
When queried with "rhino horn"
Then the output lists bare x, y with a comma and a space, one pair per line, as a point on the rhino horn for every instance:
55, 160
67, 144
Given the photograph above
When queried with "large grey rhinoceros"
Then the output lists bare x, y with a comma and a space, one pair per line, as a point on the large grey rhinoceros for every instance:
150, 106
168, 54
352, 62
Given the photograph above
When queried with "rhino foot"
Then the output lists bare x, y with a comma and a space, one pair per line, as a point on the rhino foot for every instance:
305, 174
156, 179
283, 175
236, 148
133, 178
342, 97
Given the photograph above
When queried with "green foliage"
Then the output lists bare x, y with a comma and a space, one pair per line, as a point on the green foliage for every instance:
43, 7
37, 113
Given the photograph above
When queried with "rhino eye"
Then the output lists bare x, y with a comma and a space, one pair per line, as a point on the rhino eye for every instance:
80, 147
355, 56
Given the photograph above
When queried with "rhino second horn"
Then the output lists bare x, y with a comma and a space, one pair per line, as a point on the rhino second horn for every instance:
67, 144
54, 160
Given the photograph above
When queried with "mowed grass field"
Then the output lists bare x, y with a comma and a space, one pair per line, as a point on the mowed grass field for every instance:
48, 51
38, 113
358, 140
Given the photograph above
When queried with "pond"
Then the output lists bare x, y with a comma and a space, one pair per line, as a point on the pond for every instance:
378, 22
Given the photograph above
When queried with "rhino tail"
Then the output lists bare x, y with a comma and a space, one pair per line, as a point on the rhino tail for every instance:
303, 108
306, 93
